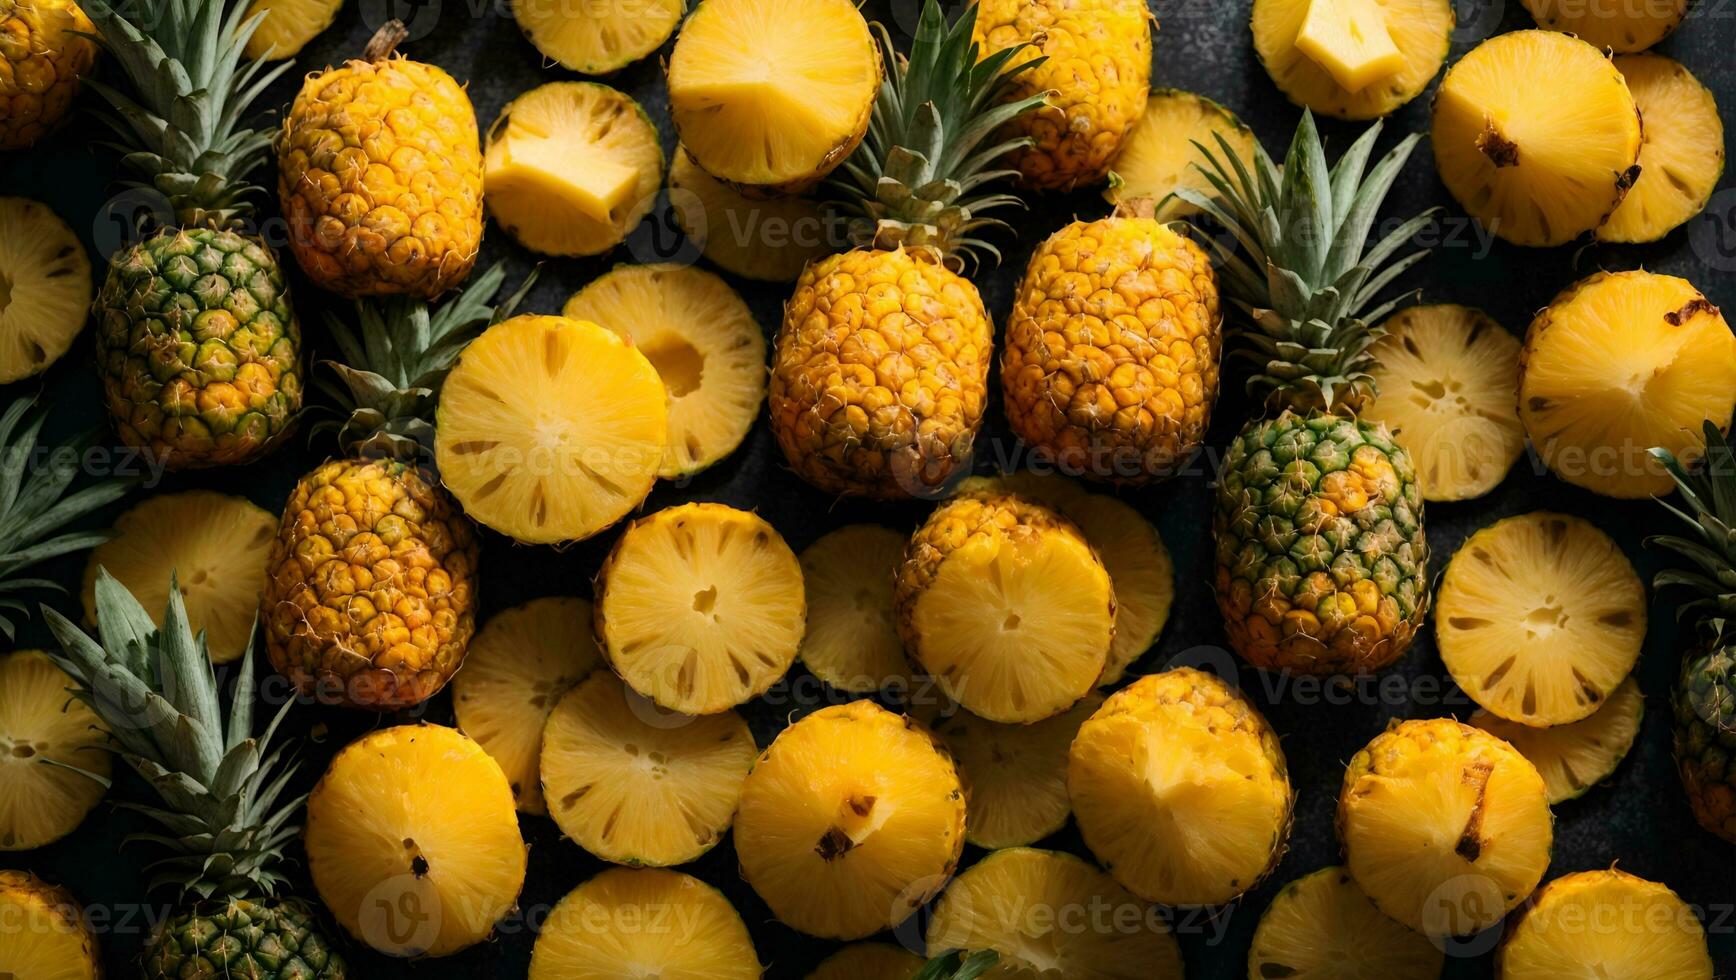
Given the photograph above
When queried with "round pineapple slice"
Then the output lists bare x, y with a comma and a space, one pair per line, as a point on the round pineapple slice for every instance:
1448, 378
1536, 164
1016, 774
571, 167
1140, 568
644, 923
1444, 826
412, 841
705, 345
850, 821
515, 670
1421, 30
773, 93
1619, 363
41, 722
1322, 927
1633, 25
288, 26
46, 935
1574, 757
1681, 152
1605, 924
1180, 789
869, 961
772, 239
1052, 914
551, 429
596, 38
44, 288
1158, 156
635, 786
851, 642
215, 546
700, 607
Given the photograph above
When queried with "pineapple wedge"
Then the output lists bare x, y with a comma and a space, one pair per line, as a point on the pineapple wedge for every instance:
44, 288
869, 961
603, 930
1421, 30
288, 26
1322, 927
1016, 774
771, 240
851, 642
45, 733
1574, 757
1605, 924
1158, 155
596, 38
46, 934
1632, 25
1349, 39
1681, 152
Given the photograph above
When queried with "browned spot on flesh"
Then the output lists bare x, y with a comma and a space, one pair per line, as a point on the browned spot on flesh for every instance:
568, 800
1690, 310
1467, 622
861, 805
1471, 841
554, 353
1588, 691
491, 486
1501, 151
1619, 620
471, 447
834, 844
1499, 672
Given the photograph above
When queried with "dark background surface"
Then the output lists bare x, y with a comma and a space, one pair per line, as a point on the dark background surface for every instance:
1639, 818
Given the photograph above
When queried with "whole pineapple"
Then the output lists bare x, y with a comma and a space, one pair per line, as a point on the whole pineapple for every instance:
43, 56
1322, 563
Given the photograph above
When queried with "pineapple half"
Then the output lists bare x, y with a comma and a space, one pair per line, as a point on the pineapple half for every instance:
1633, 25
705, 345
46, 935
1322, 927
597, 38
1681, 151
551, 429
516, 669
1573, 758
1016, 774
850, 821
288, 26
636, 786
1605, 924
771, 240
412, 841
44, 285
868, 961
644, 923
851, 641
45, 734
1420, 30
1159, 153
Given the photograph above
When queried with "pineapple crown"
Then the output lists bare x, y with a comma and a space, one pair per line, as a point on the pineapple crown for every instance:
223, 811
1709, 573
917, 180
956, 965
181, 124
1308, 284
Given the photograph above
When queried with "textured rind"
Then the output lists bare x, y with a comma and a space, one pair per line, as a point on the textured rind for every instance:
1705, 738
242, 938
42, 60
21, 888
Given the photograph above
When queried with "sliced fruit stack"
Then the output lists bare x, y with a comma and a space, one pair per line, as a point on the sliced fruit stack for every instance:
851, 641
1620, 27
1016, 775
1322, 927
597, 38
1574, 757
771, 239
1354, 59
1681, 151
600, 929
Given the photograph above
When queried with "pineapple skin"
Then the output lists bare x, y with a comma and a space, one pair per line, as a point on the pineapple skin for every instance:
1705, 738
1322, 560
23, 889
370, 592
42, 60
1111, 355
880, 374
280, 940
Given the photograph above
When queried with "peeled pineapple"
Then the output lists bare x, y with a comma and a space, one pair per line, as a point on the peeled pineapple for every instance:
595, 37
869, 961
1158, 154
288, 26
41, 723
1576, 756
1420, 31
645, 923
1351, 40
1605, 924
771, 239
851, 642
1681, 152
46, 935
44, 286
1322, 927
1016, 774
1630, 25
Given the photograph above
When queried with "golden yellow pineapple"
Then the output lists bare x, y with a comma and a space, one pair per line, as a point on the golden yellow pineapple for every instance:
1420, 30
43, 731
44, 282
868, 961
46, 935
851, 641
412, 841
1621, 362
1605, 924
288, 26
1158, 154
636, 786
1574, 757
606, 929
1322, 927
771, 239
1046, 487
1634, 25
1016, 775
1444, 826
850, 821
1681, 151
43, 57
596, 38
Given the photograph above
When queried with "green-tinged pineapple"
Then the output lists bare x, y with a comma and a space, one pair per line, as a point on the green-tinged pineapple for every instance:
46, 935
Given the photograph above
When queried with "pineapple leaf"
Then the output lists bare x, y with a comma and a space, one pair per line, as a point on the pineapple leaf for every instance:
956, 965
1709, 496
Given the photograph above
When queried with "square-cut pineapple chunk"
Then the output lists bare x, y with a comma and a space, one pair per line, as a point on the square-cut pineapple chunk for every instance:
1349, 39
595, 186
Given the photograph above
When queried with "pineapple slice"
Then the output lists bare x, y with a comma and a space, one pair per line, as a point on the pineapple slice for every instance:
1322, 927
571, 167
850, 821
1634, 25
1350, 39
1180, 789
1536, 164
644, 923
773, 93
1049, 914
1539, 617
1619, 363
1444, 826
515, 670
1574, 757
772, 240
1448, 379
41, 722
596, 38
1016, 774
288, 26
851, 642
636, 786
869, 961
1158, 155
551, 429
412, 841
1681, 152
1605, 924
1421, 30
46, 935
44, 288
705, 345
215, 546
700, 607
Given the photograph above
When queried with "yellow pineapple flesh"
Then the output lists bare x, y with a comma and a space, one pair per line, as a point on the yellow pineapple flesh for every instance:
46, 935
1576, 756
1605, 924
44, 286
1350, 39
288, 26
1322, 927
593, 37
1421, 31
1158, 155
1681, 151
851, 641
644, 923
1016, 774
1631, 25
771, 240
44, 730
868, 961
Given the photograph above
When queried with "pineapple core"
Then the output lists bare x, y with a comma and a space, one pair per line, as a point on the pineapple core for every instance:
1349, 39
592, 185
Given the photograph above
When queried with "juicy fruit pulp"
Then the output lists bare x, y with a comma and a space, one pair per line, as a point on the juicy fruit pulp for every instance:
771, 239
1631, 25
288, 26
46, 937
1421, 30
1681, 153
1016, 774
41, 723
595, 37
868, 961
43, 55
605, 929
1576, 756
1349, 38
851, 641
1605, 924
44, 284
1158, 155
1322, 927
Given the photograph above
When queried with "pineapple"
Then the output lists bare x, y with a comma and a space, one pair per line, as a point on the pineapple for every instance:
1421, 31
214, 545
1705, 737
1351, 40
1605, 924
45, 734
1052, 914
380, 175
644, 923
1447, 378
639, 788
518, 666
851, 641
1110, 361
1681, 150
551, 429
869, 961
1536, 164
1322, 927
770, 240
773, 94
850, 821
1622, 27
596, 38
1619, 362
1180, 789
1094, 68
220, 805
412, 841
700, 607
705, 344
46, 936
571, 167
1162, 151
44, 285
288, 26
1048, 488
1576, 756
1444, 826
1016, 774
45, 51
1003, 601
